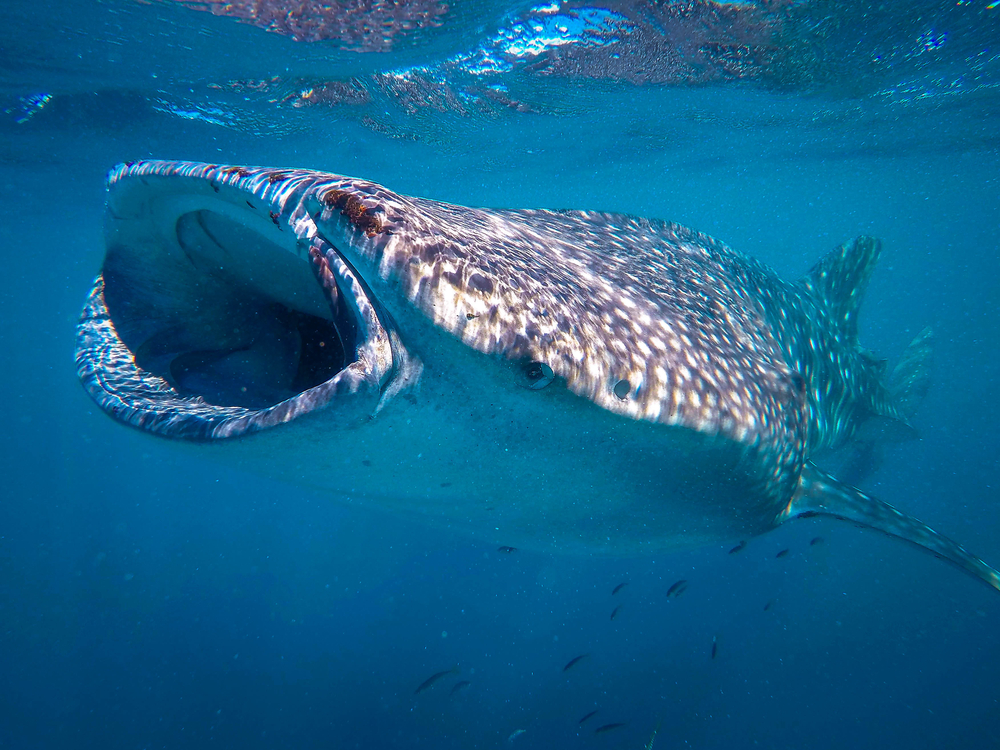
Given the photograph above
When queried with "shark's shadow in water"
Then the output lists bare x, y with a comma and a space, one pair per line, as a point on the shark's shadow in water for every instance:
567, 378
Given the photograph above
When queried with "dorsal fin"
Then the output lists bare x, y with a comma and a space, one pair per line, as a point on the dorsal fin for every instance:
839, 280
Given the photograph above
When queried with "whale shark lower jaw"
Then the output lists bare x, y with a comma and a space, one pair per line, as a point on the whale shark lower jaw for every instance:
573, 379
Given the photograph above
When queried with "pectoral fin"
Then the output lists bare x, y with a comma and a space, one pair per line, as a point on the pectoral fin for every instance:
820, 494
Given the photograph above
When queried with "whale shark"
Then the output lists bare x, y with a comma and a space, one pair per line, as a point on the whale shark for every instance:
574, 380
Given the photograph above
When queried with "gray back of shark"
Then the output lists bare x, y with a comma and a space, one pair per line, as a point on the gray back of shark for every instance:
578, 380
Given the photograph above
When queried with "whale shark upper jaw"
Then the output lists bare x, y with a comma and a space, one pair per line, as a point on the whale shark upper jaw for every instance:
218, 312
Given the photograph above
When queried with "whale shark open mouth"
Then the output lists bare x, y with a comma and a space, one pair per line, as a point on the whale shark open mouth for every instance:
220, 310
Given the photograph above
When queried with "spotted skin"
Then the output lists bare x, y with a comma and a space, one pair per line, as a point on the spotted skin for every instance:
647, 320
705, 337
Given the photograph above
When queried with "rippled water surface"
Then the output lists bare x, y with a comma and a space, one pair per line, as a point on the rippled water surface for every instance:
150, 597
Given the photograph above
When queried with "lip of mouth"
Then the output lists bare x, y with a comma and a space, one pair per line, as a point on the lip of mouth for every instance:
218, 312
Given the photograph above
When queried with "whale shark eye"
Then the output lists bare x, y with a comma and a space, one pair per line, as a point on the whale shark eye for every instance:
536, 375
622, 388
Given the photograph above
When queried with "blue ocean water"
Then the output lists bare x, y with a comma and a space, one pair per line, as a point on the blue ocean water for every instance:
152, 598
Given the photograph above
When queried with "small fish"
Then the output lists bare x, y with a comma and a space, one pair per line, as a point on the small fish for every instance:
769, 604
459, 686
783, 553
507, 550
738, 548
619, 587
649, 745
677, 589
815, 540
515, 734
572, 662
614, 612
609, 727
434, 678
587, 716
715, 646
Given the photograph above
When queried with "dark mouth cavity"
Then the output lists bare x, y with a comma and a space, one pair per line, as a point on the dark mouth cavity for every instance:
226, 314
279, 353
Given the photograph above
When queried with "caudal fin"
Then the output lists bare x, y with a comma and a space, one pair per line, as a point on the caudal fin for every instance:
911, 378
820, 494
905, 390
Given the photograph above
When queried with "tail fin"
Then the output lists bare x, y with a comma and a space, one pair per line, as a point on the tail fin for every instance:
820, 494
911, 378
840, 279
905, 390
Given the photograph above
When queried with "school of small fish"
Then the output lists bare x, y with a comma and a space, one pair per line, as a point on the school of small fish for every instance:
673, 592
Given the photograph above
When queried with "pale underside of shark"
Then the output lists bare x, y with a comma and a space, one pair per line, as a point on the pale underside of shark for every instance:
574, 379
